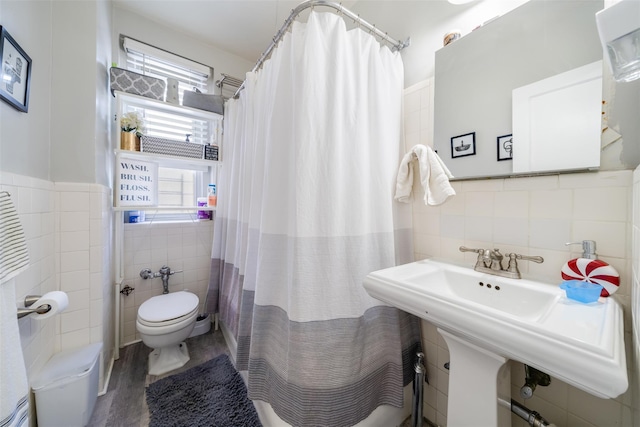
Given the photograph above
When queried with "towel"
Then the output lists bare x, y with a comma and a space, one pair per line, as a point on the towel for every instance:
14, 387
434, 176
14, 256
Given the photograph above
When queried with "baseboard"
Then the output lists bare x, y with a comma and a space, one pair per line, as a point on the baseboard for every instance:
232, 344
130, 342
107, 378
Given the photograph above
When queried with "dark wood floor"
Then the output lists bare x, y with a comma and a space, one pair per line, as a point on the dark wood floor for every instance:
124, 403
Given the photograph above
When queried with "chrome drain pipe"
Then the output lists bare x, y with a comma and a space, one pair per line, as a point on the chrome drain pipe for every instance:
418, 391
532, 417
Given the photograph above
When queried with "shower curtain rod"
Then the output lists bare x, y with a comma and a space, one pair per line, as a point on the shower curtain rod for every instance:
395, 45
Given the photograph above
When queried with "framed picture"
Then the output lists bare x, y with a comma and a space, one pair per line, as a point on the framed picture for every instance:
463, 145
16, 72
505, 147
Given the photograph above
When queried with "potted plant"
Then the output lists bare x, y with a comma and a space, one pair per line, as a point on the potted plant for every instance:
132, 128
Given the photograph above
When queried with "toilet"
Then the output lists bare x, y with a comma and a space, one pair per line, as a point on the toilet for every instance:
164, 322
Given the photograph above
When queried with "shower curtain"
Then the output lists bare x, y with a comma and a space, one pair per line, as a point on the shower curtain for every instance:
305, 211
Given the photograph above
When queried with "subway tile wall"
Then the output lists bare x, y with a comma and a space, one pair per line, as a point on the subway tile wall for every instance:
34, 200
84, 267
68, 232
635, 297
182, 246
530, 216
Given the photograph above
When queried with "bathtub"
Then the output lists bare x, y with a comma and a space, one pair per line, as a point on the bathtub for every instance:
384, 415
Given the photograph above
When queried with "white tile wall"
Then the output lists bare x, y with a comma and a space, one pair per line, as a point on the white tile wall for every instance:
182, 246
59, 220
634, 342
532, 216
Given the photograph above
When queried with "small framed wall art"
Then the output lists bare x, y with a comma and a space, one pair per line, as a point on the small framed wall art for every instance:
463, 145
16, 72
505, 147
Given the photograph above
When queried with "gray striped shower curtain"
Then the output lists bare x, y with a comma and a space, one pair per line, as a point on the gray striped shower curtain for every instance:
305, 211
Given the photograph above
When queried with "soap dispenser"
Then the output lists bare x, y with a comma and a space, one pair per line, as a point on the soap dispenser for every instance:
589, 268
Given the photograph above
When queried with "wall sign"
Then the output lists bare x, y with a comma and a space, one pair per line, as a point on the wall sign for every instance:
15, 69
136, 182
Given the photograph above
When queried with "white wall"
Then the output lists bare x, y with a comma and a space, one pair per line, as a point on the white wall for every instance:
530, 216
426, 22
25, 137
141, 28
635, 295
68, 225
80, 112
180, 245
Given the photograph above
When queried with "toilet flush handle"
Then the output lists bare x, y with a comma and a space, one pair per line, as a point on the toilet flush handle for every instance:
167, 271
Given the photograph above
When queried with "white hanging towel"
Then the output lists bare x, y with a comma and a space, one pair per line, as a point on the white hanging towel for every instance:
14, 387
14, 256
434, 176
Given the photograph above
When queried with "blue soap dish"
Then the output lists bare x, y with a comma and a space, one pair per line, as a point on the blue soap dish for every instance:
581, 291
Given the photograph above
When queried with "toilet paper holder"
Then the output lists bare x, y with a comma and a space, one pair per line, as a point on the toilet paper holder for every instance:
29, 300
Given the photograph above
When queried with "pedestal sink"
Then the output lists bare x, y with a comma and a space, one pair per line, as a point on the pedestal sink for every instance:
487, 320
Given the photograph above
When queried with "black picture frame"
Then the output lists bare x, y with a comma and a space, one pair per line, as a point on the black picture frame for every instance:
504, 147
15, 72
463, 145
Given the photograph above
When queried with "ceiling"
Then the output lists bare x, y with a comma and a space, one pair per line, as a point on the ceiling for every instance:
246, 27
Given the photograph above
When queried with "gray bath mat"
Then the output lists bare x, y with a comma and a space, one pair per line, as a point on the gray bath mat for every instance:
212, 394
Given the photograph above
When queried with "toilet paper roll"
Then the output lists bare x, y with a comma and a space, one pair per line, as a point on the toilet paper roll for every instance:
58, 301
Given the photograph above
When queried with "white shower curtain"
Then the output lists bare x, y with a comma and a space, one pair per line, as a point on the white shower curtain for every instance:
305, 211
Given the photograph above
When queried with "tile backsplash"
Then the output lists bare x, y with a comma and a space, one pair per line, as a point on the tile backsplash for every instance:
182, 246
68, 231
529, 216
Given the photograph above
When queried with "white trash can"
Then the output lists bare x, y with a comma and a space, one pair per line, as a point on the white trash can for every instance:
66, 388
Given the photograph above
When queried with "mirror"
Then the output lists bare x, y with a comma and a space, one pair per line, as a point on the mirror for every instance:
475, 77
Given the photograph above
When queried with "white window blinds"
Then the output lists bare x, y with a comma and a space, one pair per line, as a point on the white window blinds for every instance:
155, 62
148, 60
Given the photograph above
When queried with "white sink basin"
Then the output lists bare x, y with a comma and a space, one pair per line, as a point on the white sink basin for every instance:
528, 321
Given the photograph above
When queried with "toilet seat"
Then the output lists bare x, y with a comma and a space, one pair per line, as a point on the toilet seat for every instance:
167, 322
168, 309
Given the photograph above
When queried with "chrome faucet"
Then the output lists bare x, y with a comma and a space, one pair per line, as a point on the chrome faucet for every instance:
164, 273
490, 261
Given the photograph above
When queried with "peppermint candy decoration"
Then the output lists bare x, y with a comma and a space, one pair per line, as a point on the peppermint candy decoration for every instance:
593, 271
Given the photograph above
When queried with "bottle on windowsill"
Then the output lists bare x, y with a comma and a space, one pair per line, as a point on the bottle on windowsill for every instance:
212, 196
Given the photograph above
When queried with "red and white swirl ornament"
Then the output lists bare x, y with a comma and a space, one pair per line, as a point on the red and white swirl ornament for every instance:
593, 271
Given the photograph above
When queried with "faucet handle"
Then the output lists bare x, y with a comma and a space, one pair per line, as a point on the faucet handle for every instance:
537, 259
481, 254
466, 249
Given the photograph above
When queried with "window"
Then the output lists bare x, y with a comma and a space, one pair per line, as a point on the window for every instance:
176, 187
148, 60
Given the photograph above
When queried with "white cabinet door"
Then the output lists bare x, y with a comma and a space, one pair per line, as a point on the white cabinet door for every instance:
557, 122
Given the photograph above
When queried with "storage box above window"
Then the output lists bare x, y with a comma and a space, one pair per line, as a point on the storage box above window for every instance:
137, 84
203, 101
